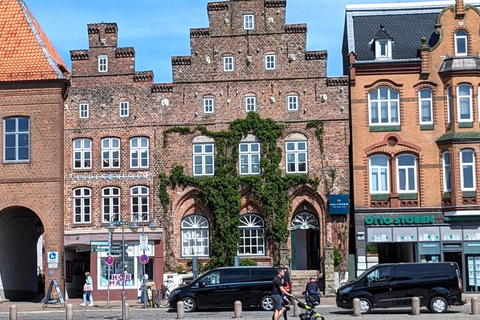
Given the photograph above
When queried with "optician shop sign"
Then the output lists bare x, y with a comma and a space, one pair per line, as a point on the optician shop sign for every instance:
398, 220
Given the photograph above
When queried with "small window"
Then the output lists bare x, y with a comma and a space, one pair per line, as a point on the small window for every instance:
228, 63
140, 204
82, 154
124, 109
425, 106
203, 159
16, 139
110, 153
82, 205
467, 170
383, 49
383, 107
292, 102
406, 174
102, 63
270, 62
250, 103
248, 22
296, 156
84, 111
208, 105
464, 101
449, 105
461, 43
139, 153
249, 158
447, 172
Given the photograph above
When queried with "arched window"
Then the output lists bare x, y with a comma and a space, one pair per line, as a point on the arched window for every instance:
139, 152
296, 154
110, 204
82, 205
82, 153
249, 156
425, 106
379, 174
464, 102
195, 236
252, 241
140, 203
461, 43
406, 173
383, 107
110, 153
467, 170
447, 172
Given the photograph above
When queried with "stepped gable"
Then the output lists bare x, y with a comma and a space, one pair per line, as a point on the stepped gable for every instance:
26, 53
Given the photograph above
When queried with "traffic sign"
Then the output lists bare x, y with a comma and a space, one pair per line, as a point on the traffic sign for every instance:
143, 243
143, 259
99, 249
109, 260
119, 223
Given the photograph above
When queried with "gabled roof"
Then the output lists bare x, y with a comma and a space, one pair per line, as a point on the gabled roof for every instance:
26, 53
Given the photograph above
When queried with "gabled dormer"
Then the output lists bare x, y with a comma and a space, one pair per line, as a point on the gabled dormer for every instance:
383, 44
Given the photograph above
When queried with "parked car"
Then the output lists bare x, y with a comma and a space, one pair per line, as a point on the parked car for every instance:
221, 287
437, 285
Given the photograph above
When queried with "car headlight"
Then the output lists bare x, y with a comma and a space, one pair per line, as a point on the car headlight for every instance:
174, 293
346, 289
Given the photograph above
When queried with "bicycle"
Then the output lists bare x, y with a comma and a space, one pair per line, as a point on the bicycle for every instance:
164, 294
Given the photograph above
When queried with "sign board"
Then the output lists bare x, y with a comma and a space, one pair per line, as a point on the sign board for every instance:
52, 259
143, 242
109, 260
144, 259
339, 204
99, 249
50, 296
119, 223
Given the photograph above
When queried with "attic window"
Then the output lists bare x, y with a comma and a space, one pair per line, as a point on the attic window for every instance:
460, 43
383, 49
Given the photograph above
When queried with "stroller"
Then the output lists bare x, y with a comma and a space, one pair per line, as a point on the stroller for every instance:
310, 313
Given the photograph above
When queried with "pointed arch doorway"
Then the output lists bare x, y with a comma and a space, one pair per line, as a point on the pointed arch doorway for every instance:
305, 241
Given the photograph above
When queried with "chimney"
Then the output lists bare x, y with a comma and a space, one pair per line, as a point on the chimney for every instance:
459, 9
102, 34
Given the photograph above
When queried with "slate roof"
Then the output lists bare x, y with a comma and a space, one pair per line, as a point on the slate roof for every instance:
26, 53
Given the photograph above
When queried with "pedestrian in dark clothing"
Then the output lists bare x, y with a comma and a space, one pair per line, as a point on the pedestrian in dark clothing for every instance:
277, 291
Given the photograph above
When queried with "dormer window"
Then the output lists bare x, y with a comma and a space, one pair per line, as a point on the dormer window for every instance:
461, 43
383, 44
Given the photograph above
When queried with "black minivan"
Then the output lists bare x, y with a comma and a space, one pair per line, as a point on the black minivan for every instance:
437, 285
221, 287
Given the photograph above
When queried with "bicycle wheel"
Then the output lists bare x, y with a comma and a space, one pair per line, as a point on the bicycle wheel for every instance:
164, 299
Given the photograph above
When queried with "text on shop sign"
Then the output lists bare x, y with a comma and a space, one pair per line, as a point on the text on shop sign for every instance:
388, 220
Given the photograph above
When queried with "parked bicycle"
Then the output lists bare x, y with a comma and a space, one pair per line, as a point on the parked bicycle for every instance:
164, 293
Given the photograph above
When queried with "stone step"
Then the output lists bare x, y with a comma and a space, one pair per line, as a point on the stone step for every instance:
300, 278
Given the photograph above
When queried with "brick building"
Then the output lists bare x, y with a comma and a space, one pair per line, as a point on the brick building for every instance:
33, 86
414, 88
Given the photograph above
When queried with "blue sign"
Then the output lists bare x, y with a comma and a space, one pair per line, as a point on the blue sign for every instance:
339, 204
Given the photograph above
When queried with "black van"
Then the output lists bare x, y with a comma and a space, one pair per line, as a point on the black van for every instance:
221, 287
437, 285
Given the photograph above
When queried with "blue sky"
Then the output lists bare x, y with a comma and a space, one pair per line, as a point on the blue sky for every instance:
159, 29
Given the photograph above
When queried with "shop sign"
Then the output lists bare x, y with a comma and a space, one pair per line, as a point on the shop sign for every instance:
399, 220
338, 204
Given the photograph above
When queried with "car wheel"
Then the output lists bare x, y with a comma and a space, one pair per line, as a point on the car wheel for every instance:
267, 303
438, 305
365, 305
189, 304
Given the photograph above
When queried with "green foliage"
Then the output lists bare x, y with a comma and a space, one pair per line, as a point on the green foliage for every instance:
372, 248
337, 257
318, 125
248, 262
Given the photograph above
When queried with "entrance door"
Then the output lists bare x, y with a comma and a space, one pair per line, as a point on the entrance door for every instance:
305, 239
455, 257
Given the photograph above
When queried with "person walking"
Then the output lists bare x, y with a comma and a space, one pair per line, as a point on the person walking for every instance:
87, 290
277, 290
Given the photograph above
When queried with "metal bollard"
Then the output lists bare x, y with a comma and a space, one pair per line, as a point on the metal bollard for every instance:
13, 312
237, 309
415, 306
69, 311
475, 306
180, 310
127, 311
356, 307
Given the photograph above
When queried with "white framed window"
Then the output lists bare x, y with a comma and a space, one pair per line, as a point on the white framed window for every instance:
383, 49
379, 174
110, 153
250, 103
406, 173
464, 103
82, 154
292, 102
383, 107
16, 139
140, 203
461, 43
209, 105
249, 158
139, 152
195, 232
102, 63
296, 156
228, 63
203, 159
447, 172
425, 103
124, 108
84, 111
248, 22
252, 241
449, 105
467, 170
270, 62
110, 203
82, 205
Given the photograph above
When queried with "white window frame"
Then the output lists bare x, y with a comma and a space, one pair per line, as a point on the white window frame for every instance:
250, 103
425, 104
249, 21
409, 172
252, 241
111, 203
391, 105
208, 105
293, 102
270, 61
247, 153
124, 109
467, 166
449, 105
294, 154
461, 36
383, 49
379, 171
447, 171
84, 111
110, 153
103, 63
464, 97
82, 152
203, 154
140, 203
195, 236
228, 64
18, 139
139, 153
82, 205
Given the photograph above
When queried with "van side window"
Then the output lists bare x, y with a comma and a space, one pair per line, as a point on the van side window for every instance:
263, 275
212, 278
380, 275
235, 275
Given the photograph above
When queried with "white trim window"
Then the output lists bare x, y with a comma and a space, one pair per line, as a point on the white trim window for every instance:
296, 156
110, 203
208, 105
140, 203
203, 159
16, 139
447, 172
449, 105
252, 242
425, 103
110, 153
124, 109
250, 103
82, 154
464, 102
82, 205
467, 170
383, 49
270, 61
249, 158
195, 232
406, 173
228, 63
384, 104
103, 63
379, 174
84, 111
292, 102
248, 22
461, 43
139, 152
